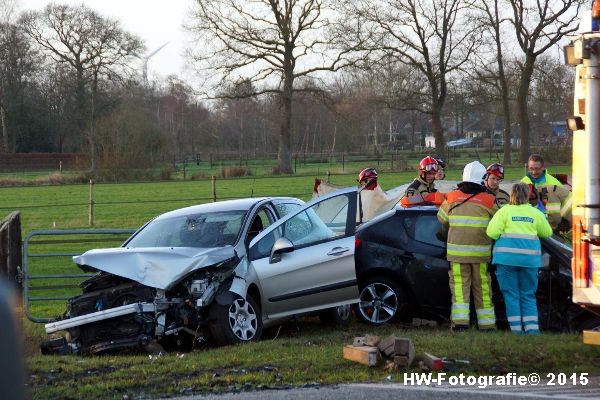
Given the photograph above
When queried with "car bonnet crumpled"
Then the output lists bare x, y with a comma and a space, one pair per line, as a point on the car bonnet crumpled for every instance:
157, 267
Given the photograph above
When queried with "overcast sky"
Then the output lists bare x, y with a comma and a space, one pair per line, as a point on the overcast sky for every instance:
155, 21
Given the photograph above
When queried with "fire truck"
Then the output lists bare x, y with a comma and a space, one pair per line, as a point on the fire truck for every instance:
584, 53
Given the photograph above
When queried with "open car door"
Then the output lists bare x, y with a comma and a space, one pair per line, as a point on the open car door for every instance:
305, 261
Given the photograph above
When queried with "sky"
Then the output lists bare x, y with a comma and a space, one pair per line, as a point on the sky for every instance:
154, 21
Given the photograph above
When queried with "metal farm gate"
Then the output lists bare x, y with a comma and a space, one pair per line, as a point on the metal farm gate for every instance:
49, 276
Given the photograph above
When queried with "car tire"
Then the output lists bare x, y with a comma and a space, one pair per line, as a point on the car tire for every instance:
336, 316
238, 322
381, 301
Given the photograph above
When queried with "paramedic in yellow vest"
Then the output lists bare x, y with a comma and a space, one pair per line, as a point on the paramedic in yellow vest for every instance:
465, 214
555, 197
424, 182
517, 255
494, 175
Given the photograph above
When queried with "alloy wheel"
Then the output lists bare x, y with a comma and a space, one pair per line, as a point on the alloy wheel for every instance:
242, 320
378, 303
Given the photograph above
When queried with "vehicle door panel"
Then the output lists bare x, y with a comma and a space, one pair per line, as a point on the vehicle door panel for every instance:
319, 272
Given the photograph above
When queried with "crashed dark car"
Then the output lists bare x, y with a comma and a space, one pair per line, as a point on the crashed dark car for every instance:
218, 272
403, 273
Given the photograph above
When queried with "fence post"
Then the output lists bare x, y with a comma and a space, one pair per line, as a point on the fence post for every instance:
328, 176
295, 163
184, 165
343, 162
91, 212
392, 167
60, 166
214, 188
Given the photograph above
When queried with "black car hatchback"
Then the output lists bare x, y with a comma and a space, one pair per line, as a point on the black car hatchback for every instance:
403, 273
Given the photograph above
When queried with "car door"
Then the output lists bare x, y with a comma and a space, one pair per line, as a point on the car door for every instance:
316, 270
428, 269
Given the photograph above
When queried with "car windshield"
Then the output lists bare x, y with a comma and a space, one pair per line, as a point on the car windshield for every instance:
198, 230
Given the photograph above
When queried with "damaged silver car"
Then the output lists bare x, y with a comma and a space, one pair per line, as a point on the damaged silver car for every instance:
220, 271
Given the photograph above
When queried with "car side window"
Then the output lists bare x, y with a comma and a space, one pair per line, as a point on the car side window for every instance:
284, 209
261, 220
323, 221
424, 228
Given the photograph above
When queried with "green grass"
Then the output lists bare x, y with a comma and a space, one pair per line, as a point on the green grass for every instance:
304, 353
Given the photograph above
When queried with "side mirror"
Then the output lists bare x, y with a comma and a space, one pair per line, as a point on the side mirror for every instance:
282, 245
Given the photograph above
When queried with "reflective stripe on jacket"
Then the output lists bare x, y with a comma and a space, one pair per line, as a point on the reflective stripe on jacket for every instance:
517, 229
466, 222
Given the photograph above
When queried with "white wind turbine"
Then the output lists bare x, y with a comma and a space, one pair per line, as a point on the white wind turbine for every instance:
145, 63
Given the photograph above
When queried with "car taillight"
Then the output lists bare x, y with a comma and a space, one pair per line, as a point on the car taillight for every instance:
356, 243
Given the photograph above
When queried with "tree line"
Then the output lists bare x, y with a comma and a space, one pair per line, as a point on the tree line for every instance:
291, 76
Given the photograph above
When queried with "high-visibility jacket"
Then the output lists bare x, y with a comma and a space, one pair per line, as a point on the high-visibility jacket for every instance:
466, 217
420, 187
556, 198
517, 229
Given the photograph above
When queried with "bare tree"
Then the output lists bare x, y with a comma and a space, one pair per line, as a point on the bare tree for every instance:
431, 36
272, 44
91, 44
539, 26
494, 74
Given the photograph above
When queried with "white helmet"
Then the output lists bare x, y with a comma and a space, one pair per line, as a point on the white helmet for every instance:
474, 172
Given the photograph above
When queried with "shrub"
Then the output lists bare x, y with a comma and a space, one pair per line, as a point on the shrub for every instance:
234, 172
199, 176
165, 172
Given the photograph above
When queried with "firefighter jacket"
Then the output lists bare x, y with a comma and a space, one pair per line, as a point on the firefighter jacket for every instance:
420, 187
502, 197
516, 230
465, 214
555, 197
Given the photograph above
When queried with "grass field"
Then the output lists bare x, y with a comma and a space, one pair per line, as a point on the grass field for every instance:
303, 353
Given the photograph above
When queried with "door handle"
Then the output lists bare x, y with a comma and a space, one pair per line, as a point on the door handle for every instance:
337, 251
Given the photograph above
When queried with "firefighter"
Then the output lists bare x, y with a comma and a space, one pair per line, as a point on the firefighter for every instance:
424, 182
367, 178
555, 197
517, 256
441, 174
464, 216
494, 175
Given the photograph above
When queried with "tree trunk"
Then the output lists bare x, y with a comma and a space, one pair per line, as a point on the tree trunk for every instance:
5, 144
522, 109
284, 158
438, 130
93, 151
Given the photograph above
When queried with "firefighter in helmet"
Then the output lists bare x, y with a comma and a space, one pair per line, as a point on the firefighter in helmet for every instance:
424, 182
464, 215
494, 174
441, 174
367, 178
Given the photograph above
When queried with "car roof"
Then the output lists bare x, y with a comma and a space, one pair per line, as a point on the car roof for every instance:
225, 205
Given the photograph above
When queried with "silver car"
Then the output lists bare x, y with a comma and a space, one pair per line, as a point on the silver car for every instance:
218, 271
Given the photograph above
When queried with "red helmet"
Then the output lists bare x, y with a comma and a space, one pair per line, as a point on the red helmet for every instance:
495, 169
368, 178
429, 164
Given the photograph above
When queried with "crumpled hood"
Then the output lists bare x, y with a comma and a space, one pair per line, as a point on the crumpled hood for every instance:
158, 267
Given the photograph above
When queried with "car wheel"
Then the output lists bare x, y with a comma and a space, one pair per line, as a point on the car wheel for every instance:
380, 302
239, 322
336, 316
